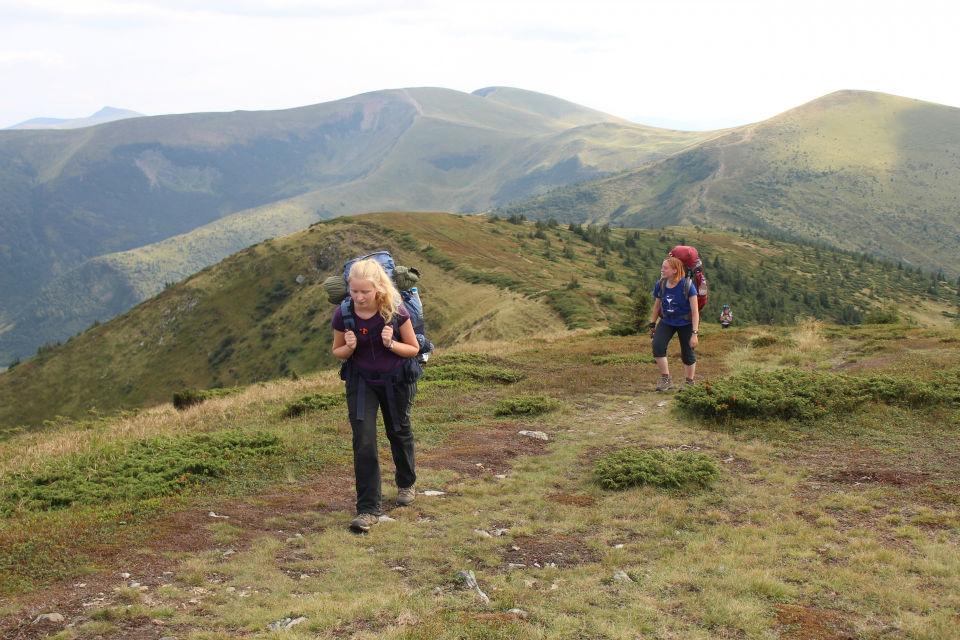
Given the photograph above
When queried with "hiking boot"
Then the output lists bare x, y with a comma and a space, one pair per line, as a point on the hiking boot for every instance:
363, 522
406, 496
689, 382
664, 383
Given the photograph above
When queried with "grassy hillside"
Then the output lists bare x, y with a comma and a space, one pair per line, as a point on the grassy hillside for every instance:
70, 197
860, 171
230, 517
248, 318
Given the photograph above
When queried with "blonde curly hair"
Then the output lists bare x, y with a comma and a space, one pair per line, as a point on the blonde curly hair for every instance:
388, 298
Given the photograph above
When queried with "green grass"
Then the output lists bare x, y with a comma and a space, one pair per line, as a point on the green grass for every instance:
863, 504
526, 405
146, 469
628, 468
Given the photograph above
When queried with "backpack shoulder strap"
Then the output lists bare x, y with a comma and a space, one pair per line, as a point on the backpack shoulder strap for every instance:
346, 312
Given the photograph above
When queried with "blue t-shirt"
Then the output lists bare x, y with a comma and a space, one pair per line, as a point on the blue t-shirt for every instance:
675, 307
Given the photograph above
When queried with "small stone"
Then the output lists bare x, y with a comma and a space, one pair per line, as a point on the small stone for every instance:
483, 534
398, 568
500, 532
501, 476
432, 493
231, 589
529, 584
214, 515
537, 435
518, 612
53, 618
80, 585
304, 576
515, 548
662, 403
295, 622
728, 460
125, 575
134, 584
621, 576
228, 553
515, 565
300, 279
386, 519
618, 546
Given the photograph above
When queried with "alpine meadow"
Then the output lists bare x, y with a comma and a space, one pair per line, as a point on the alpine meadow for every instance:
176, 454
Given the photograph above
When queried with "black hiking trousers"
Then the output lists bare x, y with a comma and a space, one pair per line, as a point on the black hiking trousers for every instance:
366, 465
664, 333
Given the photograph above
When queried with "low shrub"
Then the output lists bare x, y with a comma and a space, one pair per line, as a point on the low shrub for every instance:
471, 372
635, 467
146, 469
886, 315
190, 397
791, 394
526, 406
312, 402
765, 340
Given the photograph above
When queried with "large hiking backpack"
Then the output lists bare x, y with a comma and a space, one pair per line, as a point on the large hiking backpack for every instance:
694, 267
405, 278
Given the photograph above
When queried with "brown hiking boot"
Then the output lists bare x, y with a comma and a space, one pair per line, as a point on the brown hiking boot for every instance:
363, 522
406, 496
689, 382
664, 383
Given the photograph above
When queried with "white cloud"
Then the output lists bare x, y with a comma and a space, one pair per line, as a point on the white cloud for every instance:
688, 61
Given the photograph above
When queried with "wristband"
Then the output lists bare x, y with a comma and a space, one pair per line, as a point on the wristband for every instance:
390, 345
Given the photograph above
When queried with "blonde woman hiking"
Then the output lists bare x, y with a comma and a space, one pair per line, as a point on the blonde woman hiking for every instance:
379, 346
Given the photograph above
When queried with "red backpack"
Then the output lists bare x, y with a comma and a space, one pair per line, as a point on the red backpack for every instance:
691, 260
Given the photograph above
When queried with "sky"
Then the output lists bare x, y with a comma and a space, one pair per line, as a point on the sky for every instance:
686, 64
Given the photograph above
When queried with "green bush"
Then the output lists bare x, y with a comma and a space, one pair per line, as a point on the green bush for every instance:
472, 372
886, 315
146, 469
526, 406
634, 467
312, 402
189, 397
791, 394
765, 340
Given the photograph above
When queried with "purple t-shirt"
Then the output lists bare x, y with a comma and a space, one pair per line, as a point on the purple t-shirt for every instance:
370, 354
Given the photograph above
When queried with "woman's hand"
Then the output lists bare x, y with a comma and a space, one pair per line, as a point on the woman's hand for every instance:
350, 338
387, 335
694, 341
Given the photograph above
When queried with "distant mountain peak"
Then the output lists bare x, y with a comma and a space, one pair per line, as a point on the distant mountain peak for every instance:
106, 114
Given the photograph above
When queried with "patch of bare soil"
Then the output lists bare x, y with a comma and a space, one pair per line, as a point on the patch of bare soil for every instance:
808, 623
573, 500
483, 451
549, 551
